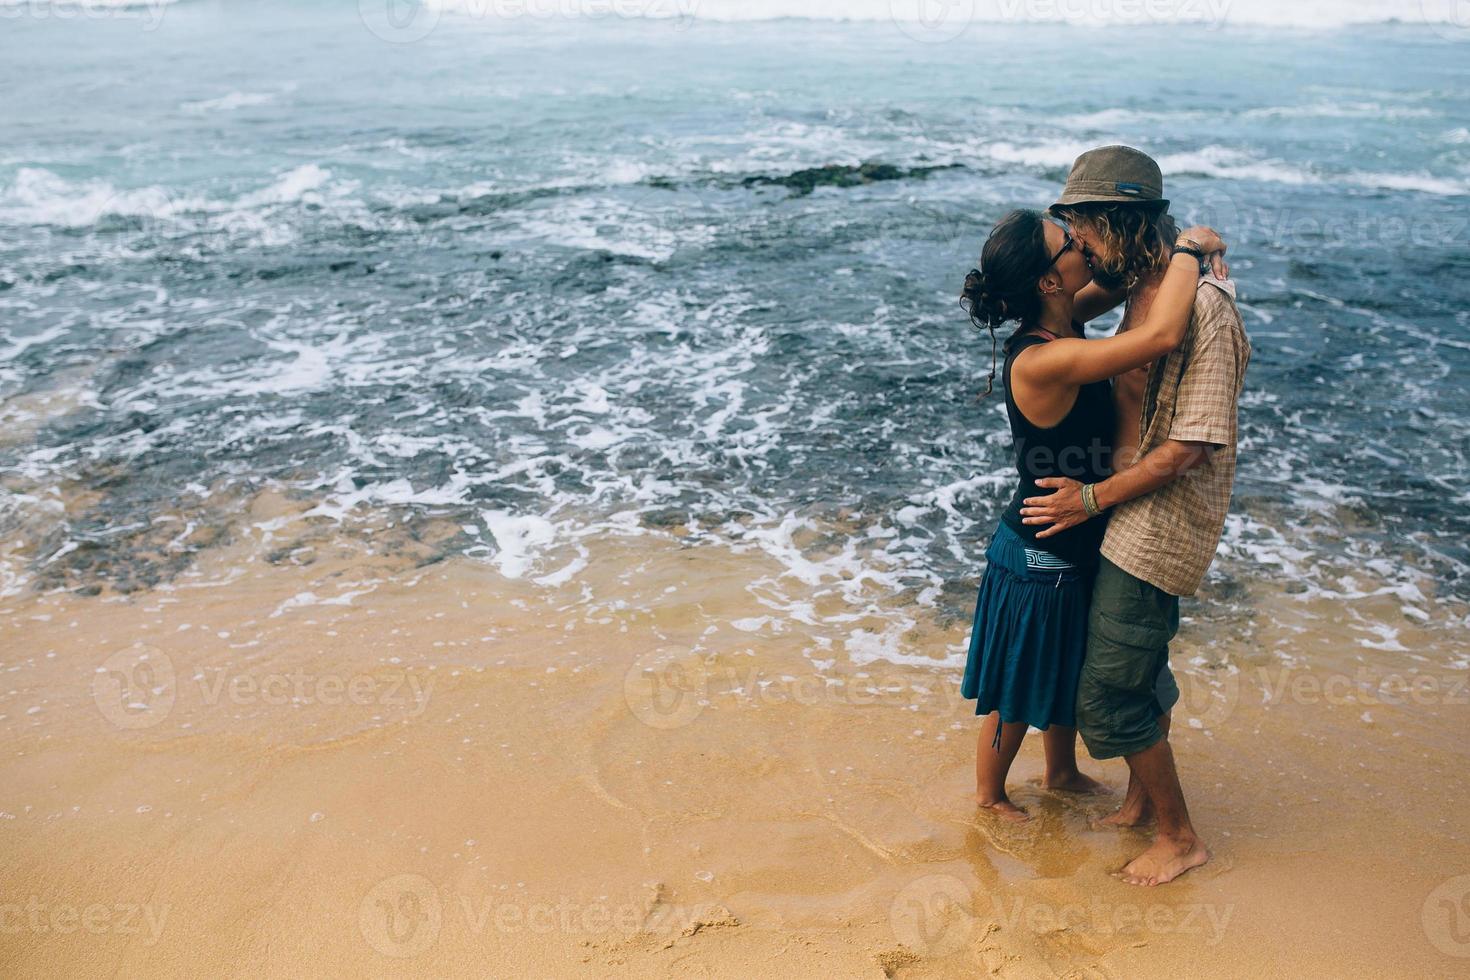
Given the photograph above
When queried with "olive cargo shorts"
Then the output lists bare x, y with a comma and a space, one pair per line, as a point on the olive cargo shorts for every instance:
1126, 683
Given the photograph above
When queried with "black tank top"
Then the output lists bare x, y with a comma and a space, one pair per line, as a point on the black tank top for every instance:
1079, 446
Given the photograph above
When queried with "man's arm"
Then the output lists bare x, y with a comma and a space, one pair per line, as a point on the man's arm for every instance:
1204, 418
1092, 301
1167, 461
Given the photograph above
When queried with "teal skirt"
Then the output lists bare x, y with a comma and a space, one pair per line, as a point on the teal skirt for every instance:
1029, 635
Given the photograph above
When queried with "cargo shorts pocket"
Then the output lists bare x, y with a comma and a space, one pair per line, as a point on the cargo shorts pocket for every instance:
1117, 700
1124, 654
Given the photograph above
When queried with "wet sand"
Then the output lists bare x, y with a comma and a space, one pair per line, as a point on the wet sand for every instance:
311, 754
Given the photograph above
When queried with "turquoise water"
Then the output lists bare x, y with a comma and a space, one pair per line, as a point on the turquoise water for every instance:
533, 276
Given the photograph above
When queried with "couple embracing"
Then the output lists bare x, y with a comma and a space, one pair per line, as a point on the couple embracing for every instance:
1125, 449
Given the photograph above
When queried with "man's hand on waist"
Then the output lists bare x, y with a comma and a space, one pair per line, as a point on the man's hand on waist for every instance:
1062, 509
1065, 507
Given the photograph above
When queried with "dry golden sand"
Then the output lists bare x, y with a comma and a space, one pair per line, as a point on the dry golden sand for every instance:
337, 762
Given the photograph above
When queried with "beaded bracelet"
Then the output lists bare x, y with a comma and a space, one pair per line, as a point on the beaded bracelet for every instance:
1089, 500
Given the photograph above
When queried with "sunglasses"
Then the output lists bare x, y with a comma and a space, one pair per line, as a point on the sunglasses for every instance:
1067, 242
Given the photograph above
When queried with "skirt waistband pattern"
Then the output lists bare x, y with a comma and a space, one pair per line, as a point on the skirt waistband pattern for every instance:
1010, 551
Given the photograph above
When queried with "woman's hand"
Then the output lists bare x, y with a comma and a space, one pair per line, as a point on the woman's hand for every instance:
1212, 245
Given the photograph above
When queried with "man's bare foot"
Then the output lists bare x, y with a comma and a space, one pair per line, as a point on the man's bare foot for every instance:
1130, 814
1164, 861
1075, 782
1004, 809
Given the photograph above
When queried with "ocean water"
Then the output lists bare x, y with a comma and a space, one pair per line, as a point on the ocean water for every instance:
546, 276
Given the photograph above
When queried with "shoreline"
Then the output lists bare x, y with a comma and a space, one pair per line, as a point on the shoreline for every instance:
436, 769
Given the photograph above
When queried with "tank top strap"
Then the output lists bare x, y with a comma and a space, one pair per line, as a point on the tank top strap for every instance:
1030, 340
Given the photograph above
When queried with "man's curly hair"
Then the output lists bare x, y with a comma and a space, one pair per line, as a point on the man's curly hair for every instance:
1134, 240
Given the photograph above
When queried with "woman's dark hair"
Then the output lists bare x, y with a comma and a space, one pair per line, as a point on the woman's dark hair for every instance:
1004, 287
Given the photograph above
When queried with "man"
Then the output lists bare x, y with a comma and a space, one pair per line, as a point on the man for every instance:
1174, 468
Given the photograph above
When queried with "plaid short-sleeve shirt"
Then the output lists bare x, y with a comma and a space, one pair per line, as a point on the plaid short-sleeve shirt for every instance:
1169, 537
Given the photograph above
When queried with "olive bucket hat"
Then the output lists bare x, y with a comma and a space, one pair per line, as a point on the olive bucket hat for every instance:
1114, 174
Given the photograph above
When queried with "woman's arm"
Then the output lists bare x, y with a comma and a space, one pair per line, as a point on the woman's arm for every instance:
1073, 361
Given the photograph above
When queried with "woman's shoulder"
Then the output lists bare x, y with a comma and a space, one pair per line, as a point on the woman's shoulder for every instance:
1021, 342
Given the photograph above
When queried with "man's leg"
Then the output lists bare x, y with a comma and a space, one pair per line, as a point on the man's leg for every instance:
1123, 701
1136, 809
1176, 848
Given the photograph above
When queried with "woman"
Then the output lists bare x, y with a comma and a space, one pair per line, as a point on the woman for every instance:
1030, 629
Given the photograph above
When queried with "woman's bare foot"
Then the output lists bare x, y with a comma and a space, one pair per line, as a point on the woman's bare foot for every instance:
1004, 809
1075, 781
1165, 860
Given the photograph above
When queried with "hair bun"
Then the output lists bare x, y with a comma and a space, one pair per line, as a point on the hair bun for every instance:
986, 307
